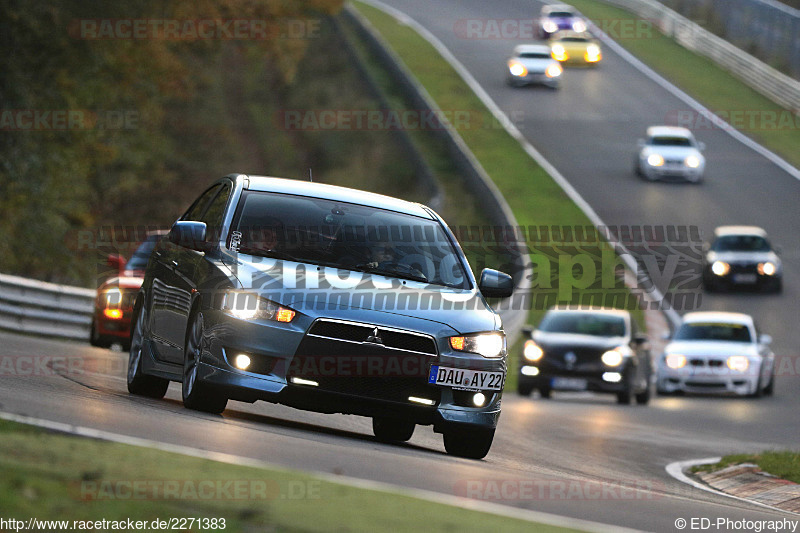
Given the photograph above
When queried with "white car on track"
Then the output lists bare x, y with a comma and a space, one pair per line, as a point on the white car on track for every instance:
742, 257
670, 152
717, 352
556, 17
533, 63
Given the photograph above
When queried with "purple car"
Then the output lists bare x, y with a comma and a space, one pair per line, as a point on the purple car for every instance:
557, 17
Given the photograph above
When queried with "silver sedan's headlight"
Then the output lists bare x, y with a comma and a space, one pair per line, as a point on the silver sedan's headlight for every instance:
767, 268
655, 160
675, 360
692, 161
517, 69
720, 268
489, 345
249, 306
738, 363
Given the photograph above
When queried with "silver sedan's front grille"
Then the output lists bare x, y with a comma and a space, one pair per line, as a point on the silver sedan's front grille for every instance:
357, 332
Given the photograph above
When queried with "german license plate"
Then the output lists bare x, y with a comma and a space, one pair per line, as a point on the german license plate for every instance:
461, 378
744, 278
568, 384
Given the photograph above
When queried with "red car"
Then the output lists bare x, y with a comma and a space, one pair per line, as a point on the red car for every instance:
113, 306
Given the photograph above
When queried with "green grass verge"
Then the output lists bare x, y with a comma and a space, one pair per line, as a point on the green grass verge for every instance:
784, 464
753, 114
52, 476
533, 196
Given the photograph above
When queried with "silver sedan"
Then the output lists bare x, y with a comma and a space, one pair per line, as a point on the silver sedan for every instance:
717, 352
670, 152
533, 63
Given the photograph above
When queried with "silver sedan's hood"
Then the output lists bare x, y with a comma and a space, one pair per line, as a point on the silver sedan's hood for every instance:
713, 348
534, 65
672, 152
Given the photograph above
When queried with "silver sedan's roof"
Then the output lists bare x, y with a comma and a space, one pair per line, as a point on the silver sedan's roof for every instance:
717, 317
333, 192
668, 131
551, 8
532, 49
740, 230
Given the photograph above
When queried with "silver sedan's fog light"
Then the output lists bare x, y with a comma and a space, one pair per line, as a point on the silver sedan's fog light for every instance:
423, 401
529, 371
301, 381
241, 361
612, 377
479, 399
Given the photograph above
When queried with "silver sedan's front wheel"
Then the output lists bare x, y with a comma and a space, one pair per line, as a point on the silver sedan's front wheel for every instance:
197, 395
139, 382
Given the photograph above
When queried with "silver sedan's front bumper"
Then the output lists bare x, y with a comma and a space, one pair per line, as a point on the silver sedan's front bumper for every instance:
672, 172
706, 381
539, 78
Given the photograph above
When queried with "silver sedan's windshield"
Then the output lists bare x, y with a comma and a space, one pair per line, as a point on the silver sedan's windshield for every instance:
670, 141
741, 243
346, 236
713, 332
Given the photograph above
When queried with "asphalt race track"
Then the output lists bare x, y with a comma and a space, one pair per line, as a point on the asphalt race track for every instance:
576, 456
586, 456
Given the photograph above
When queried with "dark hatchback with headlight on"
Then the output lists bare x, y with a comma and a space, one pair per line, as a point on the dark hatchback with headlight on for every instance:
598, 350
326, 299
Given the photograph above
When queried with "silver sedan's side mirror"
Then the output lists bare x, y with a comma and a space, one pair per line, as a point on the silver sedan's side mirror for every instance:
701, 146
640, 143
765, 339
495, 284
189, 234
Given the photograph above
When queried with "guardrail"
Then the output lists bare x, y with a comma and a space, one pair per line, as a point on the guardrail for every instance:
767, 29
773, 84
47, 309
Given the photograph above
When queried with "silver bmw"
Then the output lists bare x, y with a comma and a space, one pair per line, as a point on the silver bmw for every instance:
670, 152
717, 352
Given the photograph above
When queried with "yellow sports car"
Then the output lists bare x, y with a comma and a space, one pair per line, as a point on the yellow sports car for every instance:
570, 47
